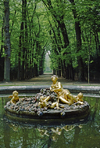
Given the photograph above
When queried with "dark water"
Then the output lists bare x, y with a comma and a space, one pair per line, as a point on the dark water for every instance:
78, 135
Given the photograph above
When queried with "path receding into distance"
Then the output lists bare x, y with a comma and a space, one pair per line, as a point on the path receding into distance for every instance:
45, 79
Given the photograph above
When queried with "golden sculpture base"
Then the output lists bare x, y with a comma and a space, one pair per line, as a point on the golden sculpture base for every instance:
29, 109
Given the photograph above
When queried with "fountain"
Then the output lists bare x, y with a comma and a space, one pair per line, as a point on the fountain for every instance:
53, 103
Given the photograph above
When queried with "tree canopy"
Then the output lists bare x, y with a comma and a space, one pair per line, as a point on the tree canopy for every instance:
68, 29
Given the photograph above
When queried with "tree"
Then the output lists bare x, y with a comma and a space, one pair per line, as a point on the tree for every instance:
60, 35
62, 27
1, 51
78, 41
6, 42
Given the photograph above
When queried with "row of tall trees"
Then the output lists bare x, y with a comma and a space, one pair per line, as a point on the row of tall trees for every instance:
79, 34
68, 29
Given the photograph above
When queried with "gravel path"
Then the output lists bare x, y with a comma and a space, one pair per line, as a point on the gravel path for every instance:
45, 79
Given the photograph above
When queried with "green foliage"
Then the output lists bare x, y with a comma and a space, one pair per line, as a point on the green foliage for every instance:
49, 25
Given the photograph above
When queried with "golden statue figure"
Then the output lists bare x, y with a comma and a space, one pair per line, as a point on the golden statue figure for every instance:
43, 102
63, 94
14, 97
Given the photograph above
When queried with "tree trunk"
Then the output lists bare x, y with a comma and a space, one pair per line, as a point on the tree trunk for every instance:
6, 42
1, 51
62, 26
24, 3
78, 39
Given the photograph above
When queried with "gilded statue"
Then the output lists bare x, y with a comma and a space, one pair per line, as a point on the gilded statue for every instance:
64, 95
14, 97
44, 102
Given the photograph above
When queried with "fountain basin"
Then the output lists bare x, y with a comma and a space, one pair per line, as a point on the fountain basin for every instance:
28, 108
87, 90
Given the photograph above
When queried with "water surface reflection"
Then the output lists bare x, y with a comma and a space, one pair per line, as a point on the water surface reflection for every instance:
77, 135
